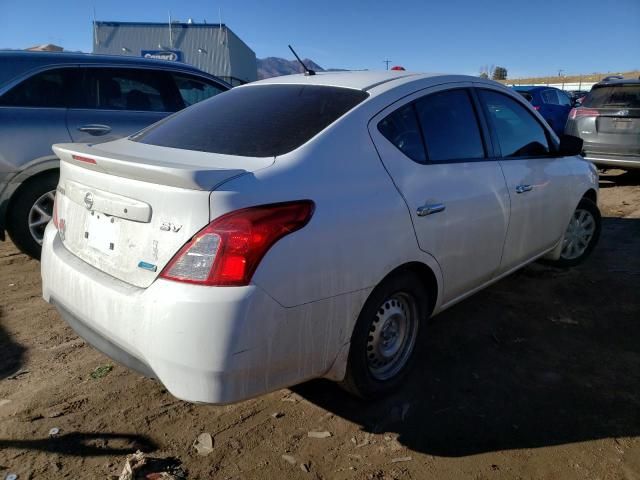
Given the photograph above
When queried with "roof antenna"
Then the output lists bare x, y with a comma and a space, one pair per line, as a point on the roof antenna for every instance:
307, 70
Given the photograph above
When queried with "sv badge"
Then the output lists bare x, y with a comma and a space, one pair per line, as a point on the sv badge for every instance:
170, 227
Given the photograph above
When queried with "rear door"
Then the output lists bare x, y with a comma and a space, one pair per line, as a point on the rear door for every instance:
116, 102
32, 116
539, 183
433, 147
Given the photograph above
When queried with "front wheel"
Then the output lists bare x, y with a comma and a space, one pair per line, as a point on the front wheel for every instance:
385, 336
582, 234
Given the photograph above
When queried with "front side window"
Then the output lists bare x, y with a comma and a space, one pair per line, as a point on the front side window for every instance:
519, 133
254, 121
401, 128
564, 99
194, 90
128, 89
46, 90
449, 126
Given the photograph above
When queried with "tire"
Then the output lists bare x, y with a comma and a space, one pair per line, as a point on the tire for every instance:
400, 303
587, 220
36, 192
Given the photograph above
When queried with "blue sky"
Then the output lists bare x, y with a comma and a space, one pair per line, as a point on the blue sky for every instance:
456, 36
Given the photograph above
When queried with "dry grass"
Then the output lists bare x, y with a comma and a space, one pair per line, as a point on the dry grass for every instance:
592, 77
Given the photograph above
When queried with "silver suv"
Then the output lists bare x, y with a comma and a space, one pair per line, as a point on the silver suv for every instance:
609, 123
48, 98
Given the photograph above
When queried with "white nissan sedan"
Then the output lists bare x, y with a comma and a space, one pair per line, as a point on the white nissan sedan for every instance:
308, 226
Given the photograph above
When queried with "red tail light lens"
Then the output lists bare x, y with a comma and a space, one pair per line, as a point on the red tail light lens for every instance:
583, 112
80, 158
228, 250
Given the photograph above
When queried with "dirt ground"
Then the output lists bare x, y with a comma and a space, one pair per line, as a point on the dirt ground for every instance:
535, 377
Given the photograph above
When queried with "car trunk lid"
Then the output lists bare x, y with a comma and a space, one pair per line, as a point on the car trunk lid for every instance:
126, 208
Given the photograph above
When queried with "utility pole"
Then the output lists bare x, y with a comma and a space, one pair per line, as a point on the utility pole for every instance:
387, 62
560, 72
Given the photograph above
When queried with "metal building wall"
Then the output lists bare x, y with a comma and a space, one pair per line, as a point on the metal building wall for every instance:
211, 47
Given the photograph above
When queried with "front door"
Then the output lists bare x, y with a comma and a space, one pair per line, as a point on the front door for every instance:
539, 183
432, 145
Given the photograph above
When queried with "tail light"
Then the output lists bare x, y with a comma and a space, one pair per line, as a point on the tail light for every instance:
583, 112
228, 250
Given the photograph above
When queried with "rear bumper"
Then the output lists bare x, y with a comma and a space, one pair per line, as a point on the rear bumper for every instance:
609, 160
205, 344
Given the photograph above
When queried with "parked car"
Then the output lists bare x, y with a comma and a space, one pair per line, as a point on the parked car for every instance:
48, 98
228, 256
552, 103
609, 123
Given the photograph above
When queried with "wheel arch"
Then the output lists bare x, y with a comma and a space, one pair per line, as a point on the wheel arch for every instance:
426, 274
592, 195
34, 170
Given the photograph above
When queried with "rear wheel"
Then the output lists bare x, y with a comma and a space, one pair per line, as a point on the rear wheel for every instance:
385, 336
30, 210
582, 234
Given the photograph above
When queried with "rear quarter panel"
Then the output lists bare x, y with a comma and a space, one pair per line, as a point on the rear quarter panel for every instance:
361, 229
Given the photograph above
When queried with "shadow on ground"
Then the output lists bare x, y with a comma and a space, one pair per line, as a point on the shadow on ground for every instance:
544, 357
11, 353
619, 178
85, 444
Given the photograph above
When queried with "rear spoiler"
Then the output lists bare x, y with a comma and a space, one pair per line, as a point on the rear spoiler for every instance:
147, 163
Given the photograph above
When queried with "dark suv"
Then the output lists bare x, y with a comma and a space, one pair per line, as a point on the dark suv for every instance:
608, 121
48, 98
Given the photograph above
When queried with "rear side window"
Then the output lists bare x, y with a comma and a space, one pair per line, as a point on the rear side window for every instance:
254, 121
550, 97
450, 126
194, 90
615, 96
46, 90
128, 89
519, 133
401, 128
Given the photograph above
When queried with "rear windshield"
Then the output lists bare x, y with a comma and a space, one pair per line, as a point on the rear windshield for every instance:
526, 95
256, 121
614, 96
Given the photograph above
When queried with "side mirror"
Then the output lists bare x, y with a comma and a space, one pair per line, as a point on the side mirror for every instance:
570, 145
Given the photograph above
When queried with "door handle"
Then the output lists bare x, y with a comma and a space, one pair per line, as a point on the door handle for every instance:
95, 129
523, 188
425, 210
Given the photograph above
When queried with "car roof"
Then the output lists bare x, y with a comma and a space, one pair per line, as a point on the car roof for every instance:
15, 63
366, 80
532, 88
624, 81
80, 57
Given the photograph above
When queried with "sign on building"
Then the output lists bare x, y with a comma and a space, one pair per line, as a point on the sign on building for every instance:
170, 55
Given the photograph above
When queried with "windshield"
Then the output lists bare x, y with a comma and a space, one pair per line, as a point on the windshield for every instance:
614, 96
254, 121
